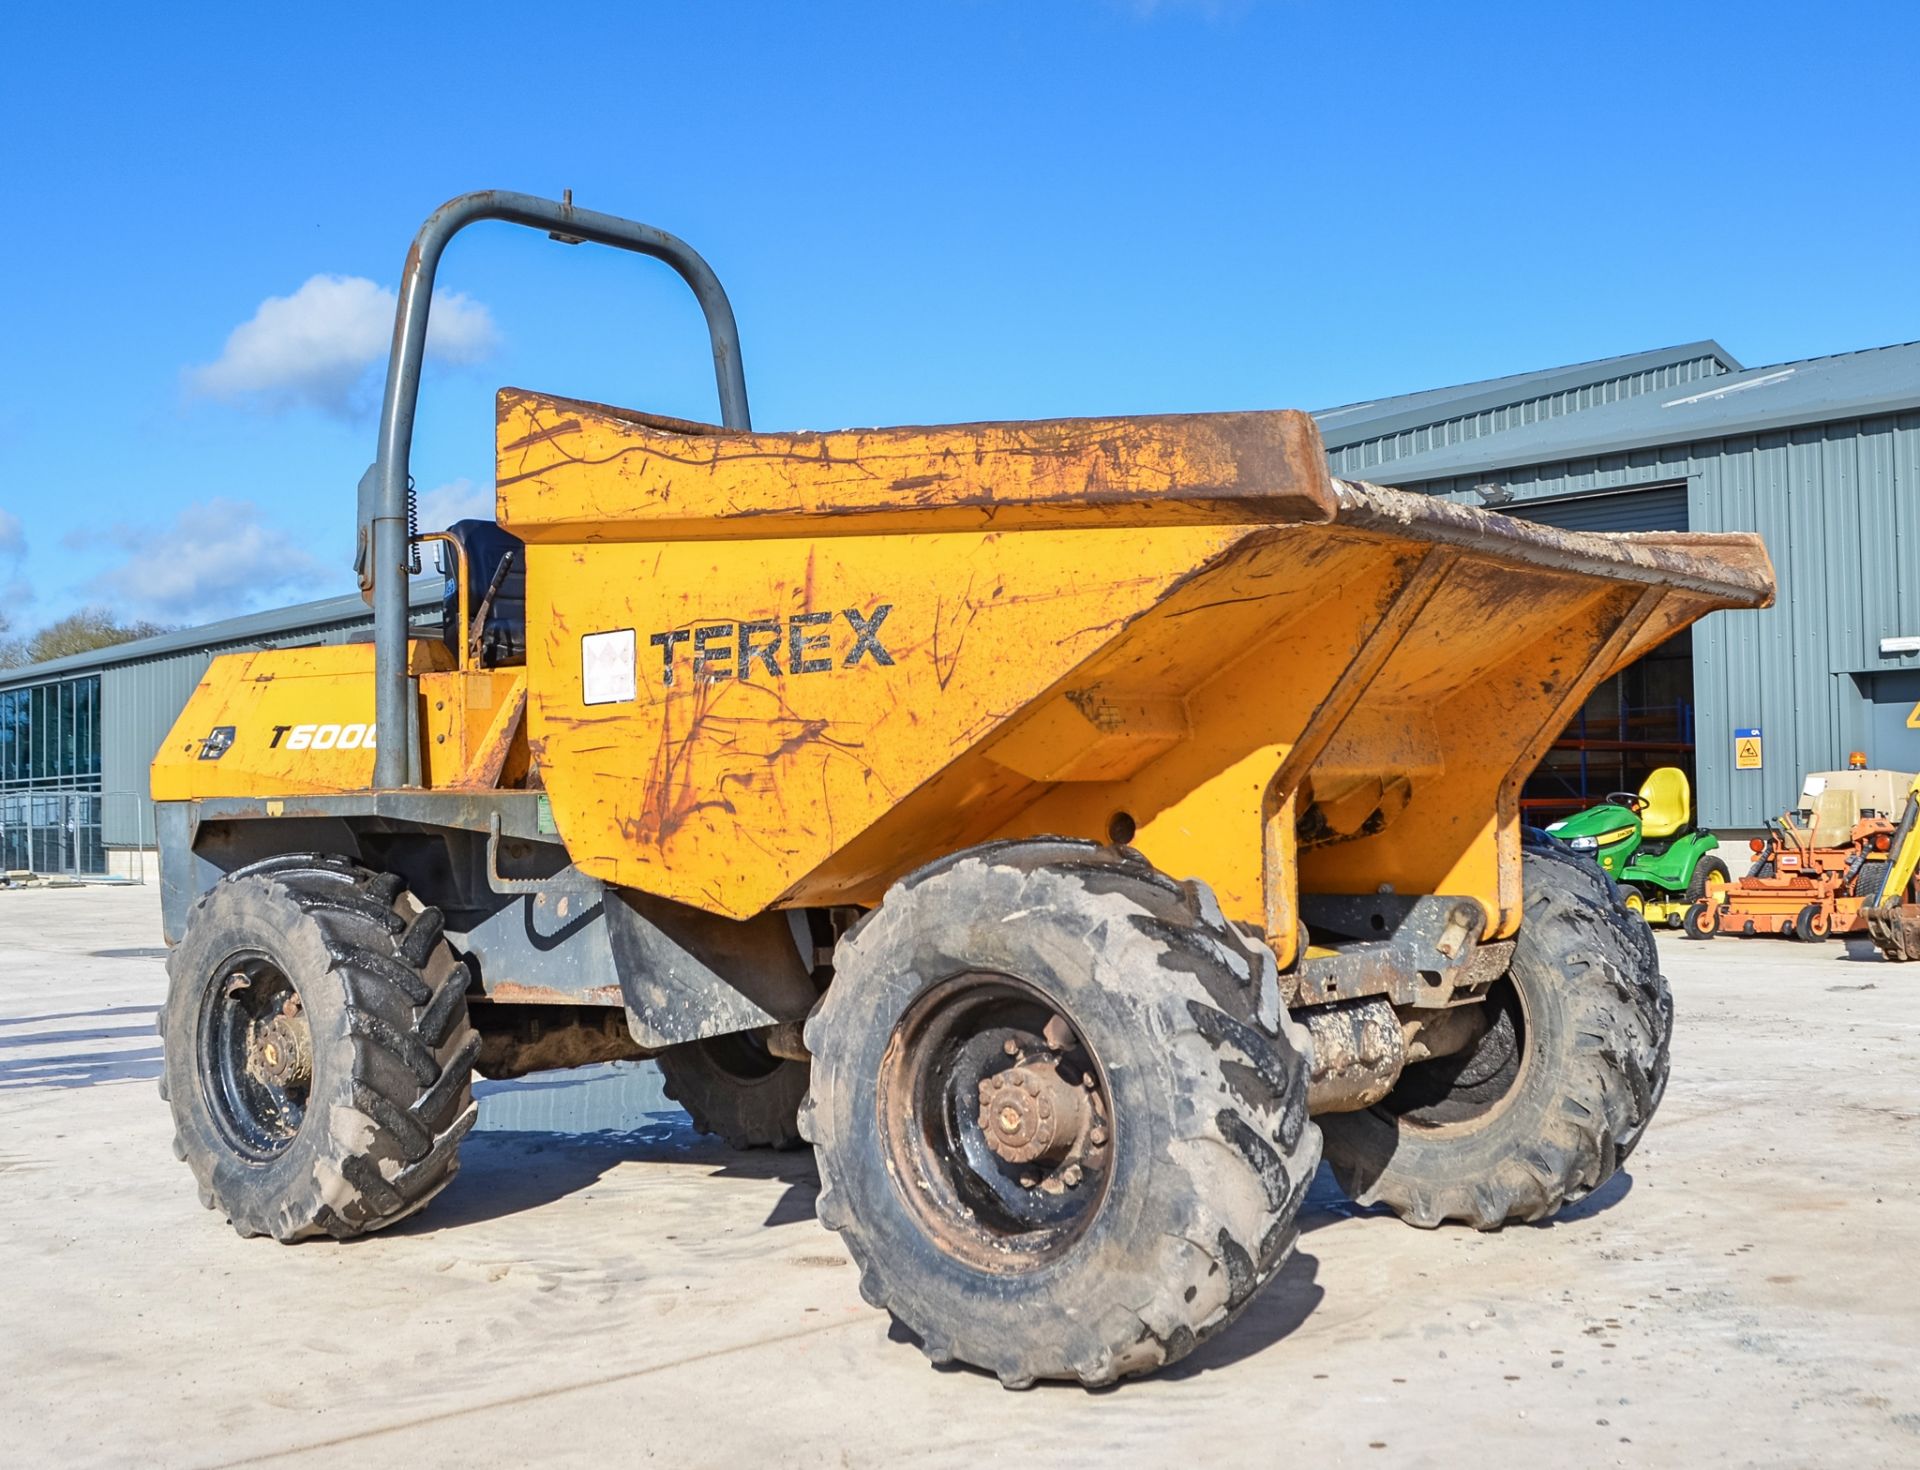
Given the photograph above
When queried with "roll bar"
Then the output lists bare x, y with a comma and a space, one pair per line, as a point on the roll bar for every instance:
383, 554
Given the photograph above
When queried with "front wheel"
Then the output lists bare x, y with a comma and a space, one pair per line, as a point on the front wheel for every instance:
1811, 925
1059, 1114
1702, 921
1546, 1106
319, 1059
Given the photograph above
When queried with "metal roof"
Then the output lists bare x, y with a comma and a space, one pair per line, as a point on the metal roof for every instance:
1353, 423
277, 623
1851, 385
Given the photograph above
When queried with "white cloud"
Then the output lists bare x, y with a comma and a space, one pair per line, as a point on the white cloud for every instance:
217, 560
13, 537
317, 348
457, 500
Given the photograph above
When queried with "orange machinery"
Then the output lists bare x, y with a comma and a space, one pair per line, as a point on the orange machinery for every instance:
1817, 867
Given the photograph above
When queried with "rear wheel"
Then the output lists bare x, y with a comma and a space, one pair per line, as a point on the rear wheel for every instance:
1059, 1114
318, 1054
1707, 870
737, 1090
1547, 1105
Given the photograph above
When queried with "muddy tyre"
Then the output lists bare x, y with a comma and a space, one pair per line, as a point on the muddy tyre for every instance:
318, 1053
1059, 1113
735, 1089
1550, 1102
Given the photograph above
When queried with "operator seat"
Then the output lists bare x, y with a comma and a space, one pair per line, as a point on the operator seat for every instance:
1836, 811
1669, 803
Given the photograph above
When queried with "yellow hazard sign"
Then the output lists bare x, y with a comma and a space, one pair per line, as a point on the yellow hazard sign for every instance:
1746, 750
1913, 718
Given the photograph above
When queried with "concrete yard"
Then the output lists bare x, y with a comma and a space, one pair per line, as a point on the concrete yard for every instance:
1749, 1295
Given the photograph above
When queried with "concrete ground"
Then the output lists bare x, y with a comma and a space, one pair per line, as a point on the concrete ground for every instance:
1749, 1295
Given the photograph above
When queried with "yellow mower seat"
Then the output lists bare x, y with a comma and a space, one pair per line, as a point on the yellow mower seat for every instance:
1669, 802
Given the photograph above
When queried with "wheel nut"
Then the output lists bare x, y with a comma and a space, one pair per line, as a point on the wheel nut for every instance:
1071, 1175
1010, 1047
1098, 1135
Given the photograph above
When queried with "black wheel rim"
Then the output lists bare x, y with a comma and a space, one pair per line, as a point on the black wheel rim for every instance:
256, 1055
997, 1121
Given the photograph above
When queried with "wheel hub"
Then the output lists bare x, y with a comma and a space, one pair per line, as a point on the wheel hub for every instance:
995, 1105
280, 1051
1031, 1113
256, 1054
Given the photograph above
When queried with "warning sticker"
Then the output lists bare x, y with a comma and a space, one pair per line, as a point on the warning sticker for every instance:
1746, 749
1913, 718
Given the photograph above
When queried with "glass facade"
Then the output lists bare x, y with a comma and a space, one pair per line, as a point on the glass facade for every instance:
50, 777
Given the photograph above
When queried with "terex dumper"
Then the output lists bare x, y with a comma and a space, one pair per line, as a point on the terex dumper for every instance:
1068, 828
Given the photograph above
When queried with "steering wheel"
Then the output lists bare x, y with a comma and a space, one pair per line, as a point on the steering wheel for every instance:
1633, 801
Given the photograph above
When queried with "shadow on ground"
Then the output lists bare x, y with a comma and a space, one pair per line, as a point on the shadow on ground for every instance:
81, 1068
503, 1172
79, 1056
147, 1011
1327, 1205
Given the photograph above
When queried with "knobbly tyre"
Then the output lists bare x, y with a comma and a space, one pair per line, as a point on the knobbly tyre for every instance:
1042, 820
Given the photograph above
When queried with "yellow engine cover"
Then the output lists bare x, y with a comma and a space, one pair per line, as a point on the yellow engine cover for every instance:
280, 722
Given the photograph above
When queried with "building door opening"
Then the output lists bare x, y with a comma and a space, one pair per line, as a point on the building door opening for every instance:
1641, 718
1893, 719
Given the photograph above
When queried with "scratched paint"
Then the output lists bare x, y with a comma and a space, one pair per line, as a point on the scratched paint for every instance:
858, 651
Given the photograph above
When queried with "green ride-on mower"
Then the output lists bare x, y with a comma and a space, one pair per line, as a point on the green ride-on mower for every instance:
1645, 841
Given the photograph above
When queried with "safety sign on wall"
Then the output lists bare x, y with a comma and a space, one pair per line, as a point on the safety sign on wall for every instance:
1746, 749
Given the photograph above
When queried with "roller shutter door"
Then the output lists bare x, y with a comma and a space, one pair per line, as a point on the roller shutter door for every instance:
1662, 508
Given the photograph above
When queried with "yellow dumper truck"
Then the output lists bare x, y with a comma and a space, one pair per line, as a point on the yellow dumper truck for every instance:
1068, 828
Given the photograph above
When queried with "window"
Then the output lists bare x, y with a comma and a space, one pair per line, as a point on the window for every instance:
50, 777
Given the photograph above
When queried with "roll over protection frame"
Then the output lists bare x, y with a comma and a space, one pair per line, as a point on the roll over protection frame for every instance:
383, 552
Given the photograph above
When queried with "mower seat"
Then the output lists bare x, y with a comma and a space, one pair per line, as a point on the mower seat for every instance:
1669, 803
1834, 816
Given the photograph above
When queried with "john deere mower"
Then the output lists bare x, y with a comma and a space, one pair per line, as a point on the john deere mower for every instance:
1646, 841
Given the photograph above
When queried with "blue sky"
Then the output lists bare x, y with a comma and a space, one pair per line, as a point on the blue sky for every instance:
922, 212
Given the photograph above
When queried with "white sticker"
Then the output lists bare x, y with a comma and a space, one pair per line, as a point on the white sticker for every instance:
607, 667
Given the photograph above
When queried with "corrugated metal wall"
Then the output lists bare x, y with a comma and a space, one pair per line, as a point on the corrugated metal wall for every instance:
140, 701
1839, 506
1363, 460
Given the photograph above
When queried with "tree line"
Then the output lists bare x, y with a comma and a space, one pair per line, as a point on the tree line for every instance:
78, 632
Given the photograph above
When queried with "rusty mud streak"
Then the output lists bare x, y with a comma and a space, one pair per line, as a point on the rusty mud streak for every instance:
542, 435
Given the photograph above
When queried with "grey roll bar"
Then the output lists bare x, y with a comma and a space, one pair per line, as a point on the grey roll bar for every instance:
383, 555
